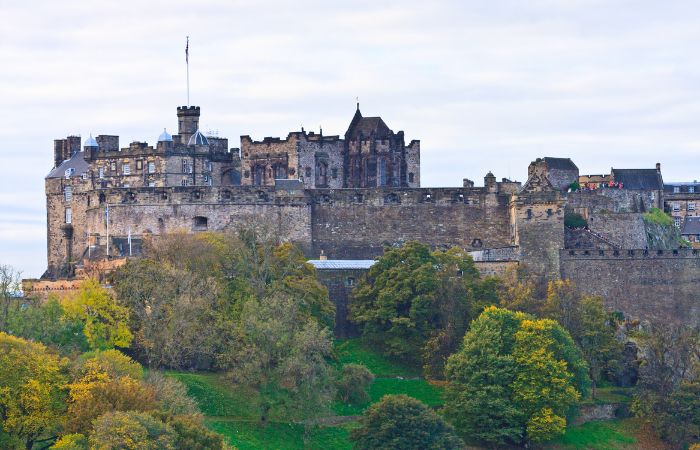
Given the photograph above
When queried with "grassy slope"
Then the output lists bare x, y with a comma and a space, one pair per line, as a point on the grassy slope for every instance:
233, 411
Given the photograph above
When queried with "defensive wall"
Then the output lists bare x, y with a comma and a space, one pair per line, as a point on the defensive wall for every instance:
344, 223
658, 285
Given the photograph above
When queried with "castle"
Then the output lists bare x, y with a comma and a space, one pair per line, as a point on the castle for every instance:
350, 197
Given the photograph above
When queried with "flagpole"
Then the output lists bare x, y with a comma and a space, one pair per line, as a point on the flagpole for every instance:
129, 241
187, 61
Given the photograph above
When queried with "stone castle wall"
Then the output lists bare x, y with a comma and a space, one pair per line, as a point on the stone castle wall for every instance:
358, 223
657, 285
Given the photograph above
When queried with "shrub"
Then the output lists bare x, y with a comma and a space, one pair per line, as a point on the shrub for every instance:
658, 217
352, 384
573, 220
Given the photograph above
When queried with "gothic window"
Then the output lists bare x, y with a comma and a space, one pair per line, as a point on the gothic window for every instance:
68, 193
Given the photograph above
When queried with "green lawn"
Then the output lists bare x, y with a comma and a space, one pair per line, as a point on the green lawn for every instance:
282, 436
596, 435
352, 351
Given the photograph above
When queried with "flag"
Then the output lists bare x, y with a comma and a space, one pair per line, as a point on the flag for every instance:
187, 51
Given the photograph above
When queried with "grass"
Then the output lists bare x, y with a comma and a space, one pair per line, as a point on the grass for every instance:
597, 435
353, 351
610, 394
217, 397
416, 388
655, 215
282, 436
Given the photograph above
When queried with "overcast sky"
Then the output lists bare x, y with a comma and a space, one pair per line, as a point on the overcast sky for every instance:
484, 85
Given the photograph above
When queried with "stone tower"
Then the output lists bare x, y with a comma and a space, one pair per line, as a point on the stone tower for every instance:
187, 122
537, 224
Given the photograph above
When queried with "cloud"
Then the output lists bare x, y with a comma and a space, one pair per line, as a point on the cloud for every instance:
484, 85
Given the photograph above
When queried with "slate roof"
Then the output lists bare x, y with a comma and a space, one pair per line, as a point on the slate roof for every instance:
76, 162
338, 264
367, 126
560, 163
691, 226
682, 186
649, 179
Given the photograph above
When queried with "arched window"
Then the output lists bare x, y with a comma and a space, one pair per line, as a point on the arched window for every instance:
321, 174
258, 176
381, 172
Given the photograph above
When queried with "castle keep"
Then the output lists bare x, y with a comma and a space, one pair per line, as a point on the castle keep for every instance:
350, 197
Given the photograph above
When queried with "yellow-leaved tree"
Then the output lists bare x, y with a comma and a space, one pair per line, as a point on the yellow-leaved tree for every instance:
32, 383
105, 323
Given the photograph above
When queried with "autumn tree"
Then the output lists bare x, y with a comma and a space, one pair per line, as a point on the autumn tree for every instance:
131, 430
31, 391
400, 422
105, 323
514, 379
415, 305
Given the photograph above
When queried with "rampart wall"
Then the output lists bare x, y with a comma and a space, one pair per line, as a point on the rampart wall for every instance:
644, 284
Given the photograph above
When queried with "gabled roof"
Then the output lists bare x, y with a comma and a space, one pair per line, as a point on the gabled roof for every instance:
76, 162
367, 126
638, 178
560, 163
691, 226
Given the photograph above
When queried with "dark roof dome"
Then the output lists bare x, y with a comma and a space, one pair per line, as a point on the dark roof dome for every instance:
198, 139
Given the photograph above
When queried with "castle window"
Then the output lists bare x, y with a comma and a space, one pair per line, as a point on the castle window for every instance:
529, 214
185, 182
677, 222
69, 172
676, 207
114, 167
139, 164
102, 197
69, 215
334, 173
200, 223
259, 176
151, 184
350, 282
186, 166
126, 170
691, 206
84, 175
381, 172
151, 167
101, 172
68, 193
676, 189
549, 212
321, 174
308, 172
410, 177
691, 189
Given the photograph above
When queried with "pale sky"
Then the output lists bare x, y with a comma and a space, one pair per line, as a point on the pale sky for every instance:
485, 85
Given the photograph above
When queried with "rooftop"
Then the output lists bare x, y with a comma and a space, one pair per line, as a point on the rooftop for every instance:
560, 163
691, 226
76, 162
638, 178
330, 264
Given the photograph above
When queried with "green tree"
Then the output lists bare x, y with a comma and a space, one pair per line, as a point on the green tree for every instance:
10, 286
47, 323
32, 384
353, 381
282, 353
415, 305
105, 323
131, 431
514, 379
399, 422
